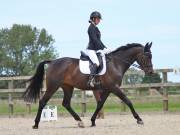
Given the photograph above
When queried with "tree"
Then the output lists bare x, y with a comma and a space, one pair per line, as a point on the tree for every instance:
22, 48
133, 76
154, 78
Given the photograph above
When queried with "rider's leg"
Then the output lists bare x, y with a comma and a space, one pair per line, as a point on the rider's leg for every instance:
92, 55
92, 75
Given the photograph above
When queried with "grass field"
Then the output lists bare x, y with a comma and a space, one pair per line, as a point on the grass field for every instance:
113, 105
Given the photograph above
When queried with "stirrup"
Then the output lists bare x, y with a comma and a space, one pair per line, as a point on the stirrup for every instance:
91, 82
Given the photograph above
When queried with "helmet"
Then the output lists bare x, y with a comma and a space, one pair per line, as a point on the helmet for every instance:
95, 14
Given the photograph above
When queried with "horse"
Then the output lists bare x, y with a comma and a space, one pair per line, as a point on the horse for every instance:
65, 73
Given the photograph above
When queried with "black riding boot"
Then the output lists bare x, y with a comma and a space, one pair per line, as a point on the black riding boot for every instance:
93, 73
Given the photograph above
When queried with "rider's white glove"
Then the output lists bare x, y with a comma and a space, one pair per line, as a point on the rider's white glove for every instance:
106, 51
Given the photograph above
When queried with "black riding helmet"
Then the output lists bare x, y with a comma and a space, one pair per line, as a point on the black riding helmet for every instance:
95, 14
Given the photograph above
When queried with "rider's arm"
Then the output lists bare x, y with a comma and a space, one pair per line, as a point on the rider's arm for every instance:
106, 50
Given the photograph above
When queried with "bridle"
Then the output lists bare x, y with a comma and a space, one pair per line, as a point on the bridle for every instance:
145, 65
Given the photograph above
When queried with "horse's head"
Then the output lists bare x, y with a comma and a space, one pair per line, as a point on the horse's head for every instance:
144, 59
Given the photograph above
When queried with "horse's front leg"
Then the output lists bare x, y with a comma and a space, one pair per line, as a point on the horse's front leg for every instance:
118, 92
100, 104
97, 95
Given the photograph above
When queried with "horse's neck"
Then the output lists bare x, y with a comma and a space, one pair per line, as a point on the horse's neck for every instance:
125, 59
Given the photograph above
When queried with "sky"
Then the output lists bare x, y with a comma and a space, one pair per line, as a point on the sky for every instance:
123, 22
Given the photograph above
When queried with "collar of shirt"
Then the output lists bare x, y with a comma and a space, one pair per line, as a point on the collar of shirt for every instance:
93, 23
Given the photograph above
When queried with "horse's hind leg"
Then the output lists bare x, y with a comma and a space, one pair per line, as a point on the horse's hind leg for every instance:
43, 101
117, 91
68, 90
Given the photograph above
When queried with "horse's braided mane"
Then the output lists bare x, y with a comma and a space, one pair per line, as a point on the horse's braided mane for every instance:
126, 47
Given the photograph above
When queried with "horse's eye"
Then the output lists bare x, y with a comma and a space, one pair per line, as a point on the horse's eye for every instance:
148, 54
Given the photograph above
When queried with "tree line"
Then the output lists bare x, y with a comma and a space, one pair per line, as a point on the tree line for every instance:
22, 48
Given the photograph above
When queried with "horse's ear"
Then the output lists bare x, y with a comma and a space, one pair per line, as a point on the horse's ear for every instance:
147, 47
147, 44
150, 45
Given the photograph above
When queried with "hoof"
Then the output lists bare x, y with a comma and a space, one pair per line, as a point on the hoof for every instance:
93, 124
81, 124
34, 127
140, 122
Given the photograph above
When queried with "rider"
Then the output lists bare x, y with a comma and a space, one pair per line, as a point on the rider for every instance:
95, 44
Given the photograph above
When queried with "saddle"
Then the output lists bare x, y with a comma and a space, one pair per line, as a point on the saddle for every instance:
86, 64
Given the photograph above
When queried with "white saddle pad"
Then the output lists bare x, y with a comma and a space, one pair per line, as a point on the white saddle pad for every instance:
84, 66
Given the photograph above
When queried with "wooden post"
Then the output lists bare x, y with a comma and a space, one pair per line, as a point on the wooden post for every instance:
83, 102
165, 92
28, 106
27, 84
123, 105
10, 100
138, 93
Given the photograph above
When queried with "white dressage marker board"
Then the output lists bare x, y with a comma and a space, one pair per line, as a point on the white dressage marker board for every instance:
49, 113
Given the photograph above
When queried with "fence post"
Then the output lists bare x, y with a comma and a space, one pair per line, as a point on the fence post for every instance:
165, 92
123, 105
83, 102
10, 100
28, 105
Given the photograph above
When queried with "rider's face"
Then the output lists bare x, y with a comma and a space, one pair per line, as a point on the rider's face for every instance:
97, 21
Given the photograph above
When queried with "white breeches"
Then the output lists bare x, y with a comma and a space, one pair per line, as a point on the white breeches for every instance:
92, 55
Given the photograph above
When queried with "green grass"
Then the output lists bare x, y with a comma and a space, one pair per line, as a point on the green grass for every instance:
110, 106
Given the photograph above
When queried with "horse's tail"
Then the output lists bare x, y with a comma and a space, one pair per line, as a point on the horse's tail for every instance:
36, 82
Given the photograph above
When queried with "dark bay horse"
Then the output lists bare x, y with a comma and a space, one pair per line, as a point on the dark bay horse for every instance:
65, 73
